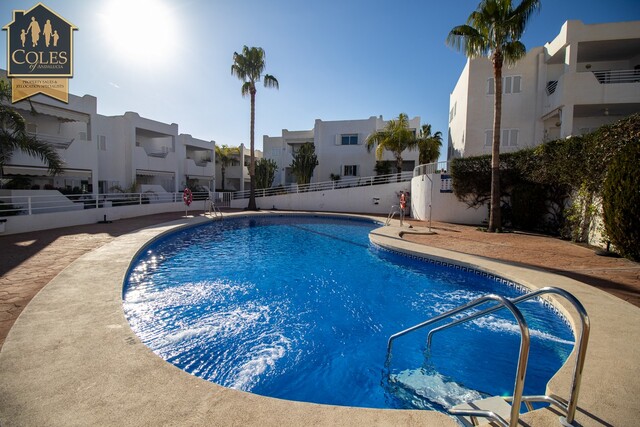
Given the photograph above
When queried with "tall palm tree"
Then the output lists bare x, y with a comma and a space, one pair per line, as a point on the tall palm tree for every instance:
429, 145
494, 30
14, 136
395, 137
248, 66
226, 156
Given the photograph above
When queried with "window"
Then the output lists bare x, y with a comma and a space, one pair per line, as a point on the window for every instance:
350, 170
102, 143
275, 152
452, 112
351, 139
509, 138
510, 84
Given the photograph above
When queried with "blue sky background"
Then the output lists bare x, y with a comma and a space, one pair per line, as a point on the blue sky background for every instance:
169, 60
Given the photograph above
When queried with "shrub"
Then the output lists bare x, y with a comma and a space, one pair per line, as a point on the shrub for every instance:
621, 201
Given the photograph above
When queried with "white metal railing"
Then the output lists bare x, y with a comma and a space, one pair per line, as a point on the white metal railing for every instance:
327, 185
37, 204
617, 76
429, 168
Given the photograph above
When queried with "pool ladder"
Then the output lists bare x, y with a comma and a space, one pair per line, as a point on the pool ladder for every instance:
395, 209
212, 209
497, 408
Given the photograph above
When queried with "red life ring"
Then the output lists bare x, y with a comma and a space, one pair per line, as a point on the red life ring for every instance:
403, 201
187, 196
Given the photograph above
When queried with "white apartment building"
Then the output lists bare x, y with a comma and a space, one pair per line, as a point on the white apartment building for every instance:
236, 176
101, 152
340, 147
589, 75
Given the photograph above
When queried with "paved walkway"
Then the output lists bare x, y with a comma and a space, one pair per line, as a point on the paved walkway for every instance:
30, 260
618, 276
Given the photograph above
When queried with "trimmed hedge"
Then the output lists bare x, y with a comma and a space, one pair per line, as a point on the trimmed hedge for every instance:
538, 184
621, 201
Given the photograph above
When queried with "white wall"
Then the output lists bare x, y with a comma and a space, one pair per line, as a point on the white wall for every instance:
444, 206
27, 223
353, 200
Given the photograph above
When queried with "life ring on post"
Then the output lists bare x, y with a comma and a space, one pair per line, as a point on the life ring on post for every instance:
403, 201
187, 196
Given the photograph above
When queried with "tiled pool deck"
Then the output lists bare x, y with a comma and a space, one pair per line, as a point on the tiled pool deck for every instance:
71, 359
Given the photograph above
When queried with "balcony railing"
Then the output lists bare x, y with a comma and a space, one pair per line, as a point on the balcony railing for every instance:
617, 76
55, 141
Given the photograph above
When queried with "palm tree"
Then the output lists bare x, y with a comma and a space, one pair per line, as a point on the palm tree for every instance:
14, 136
226, 156
494, 30
429, 145
395, 137
248, 67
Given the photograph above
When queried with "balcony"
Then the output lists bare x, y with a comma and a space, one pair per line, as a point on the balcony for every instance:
199, 168
593, 87
56, 141
617, 76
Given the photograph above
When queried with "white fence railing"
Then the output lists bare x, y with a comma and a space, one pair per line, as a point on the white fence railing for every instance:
429, 168
327, 185
37, 204
617, 76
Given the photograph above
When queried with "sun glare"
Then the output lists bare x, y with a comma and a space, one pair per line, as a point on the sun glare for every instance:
141, 32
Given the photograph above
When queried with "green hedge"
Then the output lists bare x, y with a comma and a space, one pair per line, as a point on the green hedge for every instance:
621, 201
537, 184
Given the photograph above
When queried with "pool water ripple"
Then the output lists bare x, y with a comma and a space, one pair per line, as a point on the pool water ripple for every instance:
301, 307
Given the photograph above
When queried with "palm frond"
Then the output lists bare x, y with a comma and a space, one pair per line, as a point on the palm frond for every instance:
270, 81
513, 51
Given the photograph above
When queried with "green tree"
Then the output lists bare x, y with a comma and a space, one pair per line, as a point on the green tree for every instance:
395, 137
225, 157
248, 66
14, 136
429, 145
304, 162
265, 172
494, 30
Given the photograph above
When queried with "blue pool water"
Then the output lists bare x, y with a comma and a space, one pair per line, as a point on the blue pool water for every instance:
301, 307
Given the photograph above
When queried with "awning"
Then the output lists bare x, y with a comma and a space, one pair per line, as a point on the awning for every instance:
60, 113
142, 172
43, 171
191, 176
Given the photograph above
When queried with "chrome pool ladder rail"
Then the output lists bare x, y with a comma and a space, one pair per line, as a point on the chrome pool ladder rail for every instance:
583, 340
523, 355
395, 209
212, 209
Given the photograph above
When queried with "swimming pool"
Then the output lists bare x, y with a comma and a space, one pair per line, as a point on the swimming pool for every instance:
300, 308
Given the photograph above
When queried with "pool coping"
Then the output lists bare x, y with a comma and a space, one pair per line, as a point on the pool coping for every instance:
71, 358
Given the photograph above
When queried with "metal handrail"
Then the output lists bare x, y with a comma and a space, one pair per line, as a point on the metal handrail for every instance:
583, 338
617, 76
395, 209
522, 357
212, 208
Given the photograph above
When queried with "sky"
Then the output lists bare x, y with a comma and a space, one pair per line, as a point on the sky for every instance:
170, 60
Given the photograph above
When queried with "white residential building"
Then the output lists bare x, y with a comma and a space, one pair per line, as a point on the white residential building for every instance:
101, 152
340, 147
589, 75
236, 176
